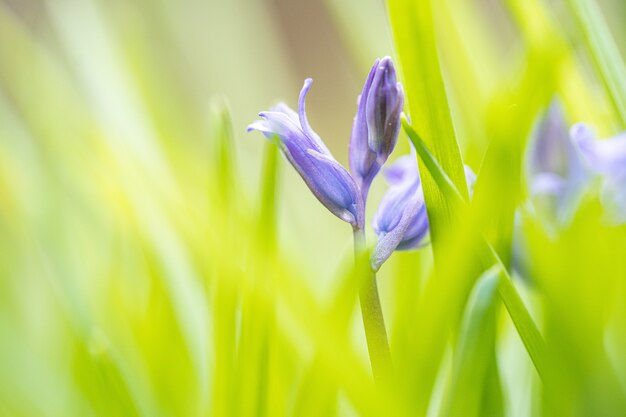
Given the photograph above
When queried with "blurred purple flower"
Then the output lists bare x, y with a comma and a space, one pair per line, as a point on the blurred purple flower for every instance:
376, 124
304, 149
608, 159
557, 175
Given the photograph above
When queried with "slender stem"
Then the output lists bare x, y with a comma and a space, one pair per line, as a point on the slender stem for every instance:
373, 320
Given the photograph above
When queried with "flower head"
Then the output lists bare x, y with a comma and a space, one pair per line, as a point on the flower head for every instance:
304, 149
376, 124
400, 222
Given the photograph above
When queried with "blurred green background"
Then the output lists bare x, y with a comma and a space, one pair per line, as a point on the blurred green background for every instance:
147, 267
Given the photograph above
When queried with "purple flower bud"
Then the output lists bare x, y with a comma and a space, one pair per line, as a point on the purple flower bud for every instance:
400, 221
376, 124
304, 149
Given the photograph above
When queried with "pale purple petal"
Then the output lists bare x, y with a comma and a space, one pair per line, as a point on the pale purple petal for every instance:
361, 159
403, 169
601, 156
548, 183
557, 175
326, 178
551, 144
304, 122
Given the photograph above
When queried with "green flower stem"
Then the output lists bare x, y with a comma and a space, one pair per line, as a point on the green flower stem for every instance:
373, 320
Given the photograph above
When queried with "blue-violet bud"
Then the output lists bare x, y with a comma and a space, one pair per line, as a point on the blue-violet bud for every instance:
329, 181
376, 124
401, 221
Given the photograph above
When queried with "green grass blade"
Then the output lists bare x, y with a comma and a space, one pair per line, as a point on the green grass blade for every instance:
524, 323
415, 41
474, 356
221, 135
440, 177
604, 52
269, 189
526, 327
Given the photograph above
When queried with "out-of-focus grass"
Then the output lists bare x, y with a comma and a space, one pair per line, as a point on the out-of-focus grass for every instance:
153, 260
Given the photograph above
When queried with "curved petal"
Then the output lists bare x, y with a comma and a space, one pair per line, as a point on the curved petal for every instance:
281, 124
331, 184
304, 122
361, 158
547, 183
283, 108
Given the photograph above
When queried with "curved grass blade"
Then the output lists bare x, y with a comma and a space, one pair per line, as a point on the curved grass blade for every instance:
526, 327
524, 323
415, 41
603, 51
475, 357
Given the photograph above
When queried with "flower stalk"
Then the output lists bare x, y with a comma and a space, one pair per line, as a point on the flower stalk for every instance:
373, 320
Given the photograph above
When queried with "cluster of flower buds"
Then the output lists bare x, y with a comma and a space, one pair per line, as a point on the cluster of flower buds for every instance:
401, 221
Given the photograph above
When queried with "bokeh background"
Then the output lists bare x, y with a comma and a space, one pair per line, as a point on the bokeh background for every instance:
130, 192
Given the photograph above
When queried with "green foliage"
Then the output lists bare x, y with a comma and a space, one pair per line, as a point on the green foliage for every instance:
147, 256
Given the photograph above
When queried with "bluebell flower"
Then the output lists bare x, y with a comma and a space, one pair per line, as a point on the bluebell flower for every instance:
376, 124
329, 181
606, 158
557, 175
401, 221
